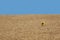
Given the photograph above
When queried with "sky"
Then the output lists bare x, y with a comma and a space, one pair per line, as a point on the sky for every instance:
29, 6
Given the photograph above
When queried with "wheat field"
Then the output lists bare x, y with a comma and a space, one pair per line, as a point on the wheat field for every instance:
29, 27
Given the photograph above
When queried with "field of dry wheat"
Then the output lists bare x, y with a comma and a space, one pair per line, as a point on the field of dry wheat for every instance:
29, 27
